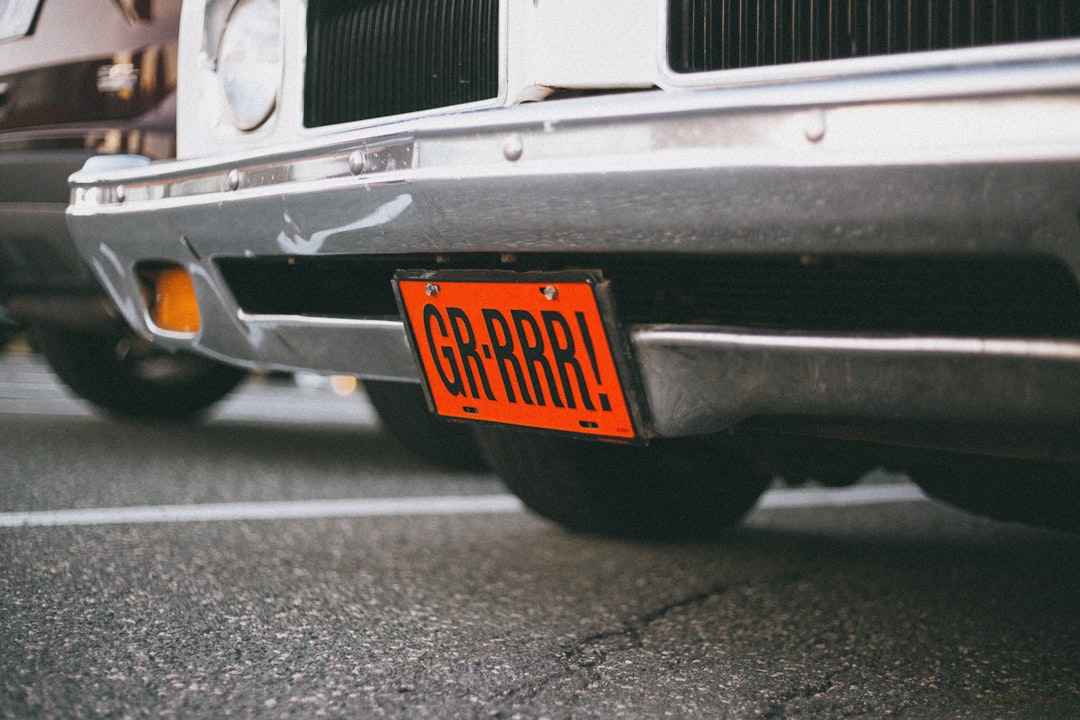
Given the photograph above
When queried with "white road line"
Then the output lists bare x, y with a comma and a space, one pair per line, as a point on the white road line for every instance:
841, 497
406, 506
286, 510
45, 406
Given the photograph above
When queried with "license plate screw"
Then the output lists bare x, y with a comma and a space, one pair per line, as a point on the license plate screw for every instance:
431, 289
550, 292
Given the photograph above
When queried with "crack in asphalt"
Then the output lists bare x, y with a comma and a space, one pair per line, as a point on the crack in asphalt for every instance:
632, 629
580, 657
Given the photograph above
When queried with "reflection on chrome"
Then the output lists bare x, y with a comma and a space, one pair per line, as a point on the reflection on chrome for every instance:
295, 243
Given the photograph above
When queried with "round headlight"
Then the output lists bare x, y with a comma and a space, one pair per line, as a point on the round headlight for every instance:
249, 62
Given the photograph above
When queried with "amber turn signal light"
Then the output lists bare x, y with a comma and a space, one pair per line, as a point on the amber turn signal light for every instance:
169, 295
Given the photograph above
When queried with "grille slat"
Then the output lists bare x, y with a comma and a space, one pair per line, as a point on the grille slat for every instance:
374, 58
706, 35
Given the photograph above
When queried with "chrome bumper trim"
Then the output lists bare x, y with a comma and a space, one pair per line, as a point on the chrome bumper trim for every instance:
376, 349
701, 380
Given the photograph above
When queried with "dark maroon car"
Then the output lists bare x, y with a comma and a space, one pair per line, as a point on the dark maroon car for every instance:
81, 78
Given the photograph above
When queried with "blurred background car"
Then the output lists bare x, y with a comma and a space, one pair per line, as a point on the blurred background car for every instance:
80, 78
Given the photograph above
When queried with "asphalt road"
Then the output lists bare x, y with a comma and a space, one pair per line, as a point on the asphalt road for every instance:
288, 559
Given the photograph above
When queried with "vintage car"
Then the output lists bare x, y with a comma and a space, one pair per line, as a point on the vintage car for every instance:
654, 252
77, 78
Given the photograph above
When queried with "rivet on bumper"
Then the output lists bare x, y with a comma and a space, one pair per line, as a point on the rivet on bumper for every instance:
814, 127
513, 148
357, 162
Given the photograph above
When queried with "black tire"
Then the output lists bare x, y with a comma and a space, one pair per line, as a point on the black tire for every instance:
404, 411
674, 488
8, 329
128, 378
1046, 494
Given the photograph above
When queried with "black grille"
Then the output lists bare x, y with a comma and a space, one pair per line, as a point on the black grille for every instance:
724, 34
373, 58
337, 286
938, 296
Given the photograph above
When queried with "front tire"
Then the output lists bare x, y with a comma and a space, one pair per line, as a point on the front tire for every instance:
404, 411
674, 488
1045, 494
130, 379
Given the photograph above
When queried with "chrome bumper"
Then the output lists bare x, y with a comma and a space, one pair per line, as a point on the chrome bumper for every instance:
984, 161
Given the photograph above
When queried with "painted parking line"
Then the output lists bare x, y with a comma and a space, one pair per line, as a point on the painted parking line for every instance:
406, 506
283, 510
841, 497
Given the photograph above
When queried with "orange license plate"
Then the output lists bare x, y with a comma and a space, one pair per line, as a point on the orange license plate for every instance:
528, 349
